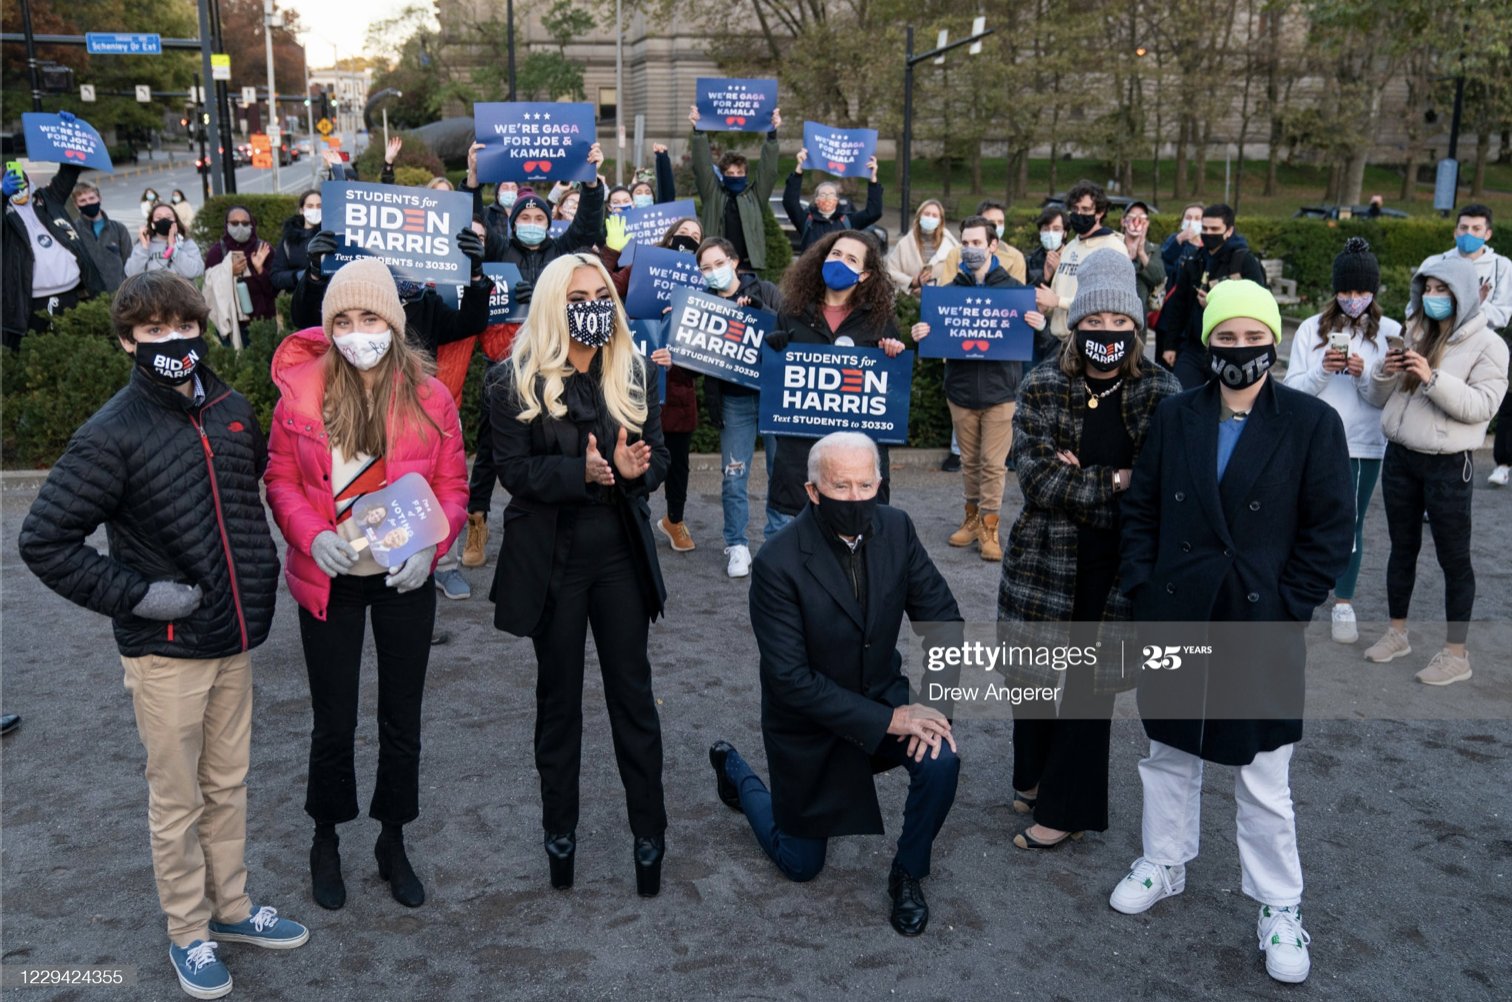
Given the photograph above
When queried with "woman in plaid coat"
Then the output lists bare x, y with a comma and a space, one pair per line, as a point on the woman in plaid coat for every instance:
1082, 417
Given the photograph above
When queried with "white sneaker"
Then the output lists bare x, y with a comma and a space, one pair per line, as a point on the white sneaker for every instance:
1344, 629
1500, 476
1146, 883
1284, 943
740, 561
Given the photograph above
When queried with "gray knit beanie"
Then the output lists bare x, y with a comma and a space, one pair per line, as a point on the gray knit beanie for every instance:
1105, 282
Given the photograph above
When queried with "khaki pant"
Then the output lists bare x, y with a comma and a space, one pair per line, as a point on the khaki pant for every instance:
195, 720
985, 436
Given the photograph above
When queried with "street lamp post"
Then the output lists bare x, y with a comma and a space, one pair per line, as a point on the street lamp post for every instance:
979, 31
275, 128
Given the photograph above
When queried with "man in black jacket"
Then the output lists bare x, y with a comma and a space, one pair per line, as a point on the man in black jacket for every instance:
170, 465
828, 596
982, 396
107, 241
1224, 256
823, 216
46, 266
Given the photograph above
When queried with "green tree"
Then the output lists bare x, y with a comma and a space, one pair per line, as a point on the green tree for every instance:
551, 76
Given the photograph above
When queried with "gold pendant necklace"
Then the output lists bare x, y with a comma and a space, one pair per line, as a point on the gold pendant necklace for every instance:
1093, 398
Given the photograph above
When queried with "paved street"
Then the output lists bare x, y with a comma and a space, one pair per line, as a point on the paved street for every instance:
1403, 826
122, 195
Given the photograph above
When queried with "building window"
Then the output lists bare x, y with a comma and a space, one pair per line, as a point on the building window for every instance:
608, 104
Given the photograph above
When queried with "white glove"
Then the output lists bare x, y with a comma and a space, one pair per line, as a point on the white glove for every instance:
332, 554
412, 573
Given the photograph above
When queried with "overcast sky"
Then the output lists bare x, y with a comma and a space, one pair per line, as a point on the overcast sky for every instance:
344, 25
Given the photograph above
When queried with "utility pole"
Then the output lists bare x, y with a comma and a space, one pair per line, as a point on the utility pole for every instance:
211, 119
509, 44
36, 79
199, 130
979, 31
275, 127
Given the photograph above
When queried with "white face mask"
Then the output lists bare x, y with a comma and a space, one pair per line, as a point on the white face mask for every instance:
1191, 225
312, 216
364, 349
929, 223
1051, 239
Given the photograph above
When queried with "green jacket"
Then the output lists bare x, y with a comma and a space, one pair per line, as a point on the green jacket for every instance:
751, 203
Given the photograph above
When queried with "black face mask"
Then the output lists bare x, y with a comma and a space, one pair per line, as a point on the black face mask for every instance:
1211, 242
846, 518
1104, 351
1081, 223
162, 226
171, 363
90, 210
1238, 368
683, 242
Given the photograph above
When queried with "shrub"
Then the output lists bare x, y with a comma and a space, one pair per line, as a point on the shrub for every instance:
268, 212
413, 177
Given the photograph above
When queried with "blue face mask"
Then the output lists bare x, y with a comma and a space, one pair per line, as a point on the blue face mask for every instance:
1438, 307
735, 185
531, 234
641, 201
1469, 243
720, 278
838, 275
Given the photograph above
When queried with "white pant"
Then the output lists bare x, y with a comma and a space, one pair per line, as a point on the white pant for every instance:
1272, 871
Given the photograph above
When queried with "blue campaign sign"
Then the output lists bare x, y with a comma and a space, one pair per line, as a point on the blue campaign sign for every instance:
534, 141
657, 272
811, 390
718, 337
102, 43
558, 227
50, 139
648, 336
727, 104
502, 307
977, 322
412, 230
841, 152
648, 225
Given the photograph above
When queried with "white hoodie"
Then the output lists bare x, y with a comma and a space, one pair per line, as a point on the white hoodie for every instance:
1349, 395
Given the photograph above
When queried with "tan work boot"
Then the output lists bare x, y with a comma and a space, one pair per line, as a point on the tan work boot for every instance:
967, 533
677, 534
475, 550
987, 539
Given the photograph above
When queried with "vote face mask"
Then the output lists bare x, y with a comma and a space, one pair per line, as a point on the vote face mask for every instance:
1240, 367
531, 234
1354, 306
838, 275
846, 518
1438, 307
1051, 239
973, 257
364, 349
1081, 222
171, 362
1104, 351
591, 322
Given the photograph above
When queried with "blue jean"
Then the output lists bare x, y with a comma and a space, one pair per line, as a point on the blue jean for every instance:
1365, 473
737, 447
931, 792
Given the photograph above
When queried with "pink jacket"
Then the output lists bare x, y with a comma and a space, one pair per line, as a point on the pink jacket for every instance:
299, 461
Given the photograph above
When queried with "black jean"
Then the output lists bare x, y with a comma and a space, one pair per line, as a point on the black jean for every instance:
1415, 483
1066, 756
1501, 448
480, 483
333, 658
678, 444
596, 583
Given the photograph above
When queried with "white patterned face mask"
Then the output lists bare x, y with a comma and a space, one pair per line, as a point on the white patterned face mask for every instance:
364, 349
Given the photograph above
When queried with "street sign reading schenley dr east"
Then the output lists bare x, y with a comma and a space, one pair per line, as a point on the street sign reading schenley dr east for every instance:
108, 44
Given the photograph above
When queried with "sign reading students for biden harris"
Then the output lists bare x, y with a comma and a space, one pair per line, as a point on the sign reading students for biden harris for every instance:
841, 152
656, 274
811, 390
534, 141
732, 105
51, 139
412, 230
717, 337
975, 322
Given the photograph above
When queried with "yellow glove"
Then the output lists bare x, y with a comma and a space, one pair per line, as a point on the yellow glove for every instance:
615, 237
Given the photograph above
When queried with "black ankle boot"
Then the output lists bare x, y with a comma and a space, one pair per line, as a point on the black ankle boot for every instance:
649, 850
325, 871
559, 852
394, 867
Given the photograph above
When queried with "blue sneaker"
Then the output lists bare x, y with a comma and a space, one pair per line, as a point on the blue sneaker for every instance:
263, 928
453, 585
200, 974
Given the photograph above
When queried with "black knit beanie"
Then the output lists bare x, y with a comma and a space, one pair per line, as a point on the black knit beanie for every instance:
1356, 269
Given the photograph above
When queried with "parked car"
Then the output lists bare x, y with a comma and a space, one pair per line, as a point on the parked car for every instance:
1335, 212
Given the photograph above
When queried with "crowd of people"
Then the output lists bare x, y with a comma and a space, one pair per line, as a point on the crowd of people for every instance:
1168, 473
